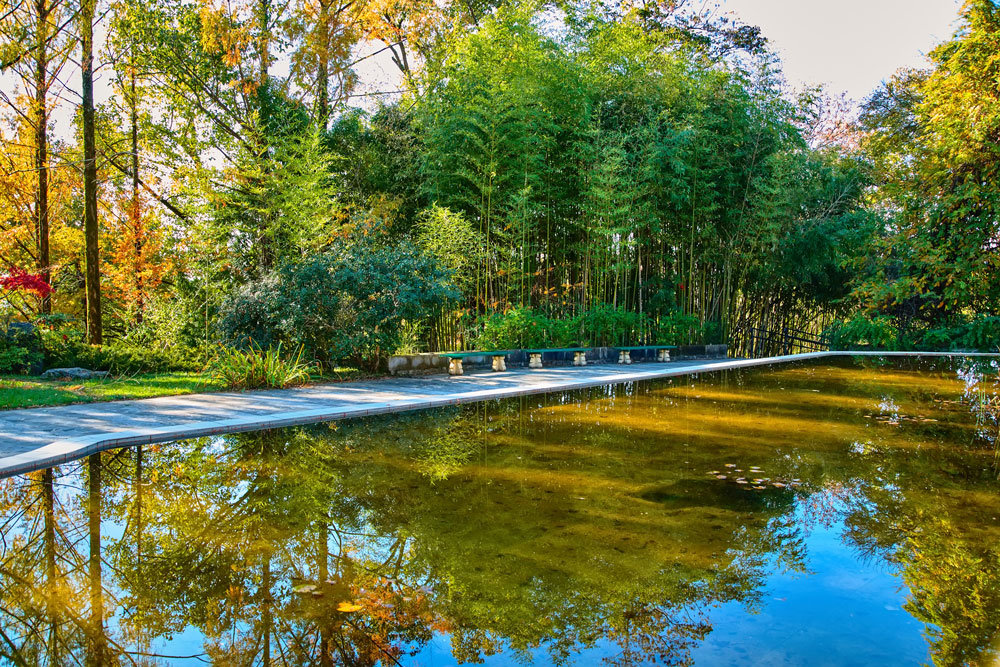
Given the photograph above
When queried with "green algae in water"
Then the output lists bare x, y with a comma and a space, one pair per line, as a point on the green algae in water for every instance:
840, 513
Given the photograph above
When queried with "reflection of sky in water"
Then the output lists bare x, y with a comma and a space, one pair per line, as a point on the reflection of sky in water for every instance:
844, 611
847, 611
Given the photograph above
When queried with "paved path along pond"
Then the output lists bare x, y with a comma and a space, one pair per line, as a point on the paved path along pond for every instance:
36, 438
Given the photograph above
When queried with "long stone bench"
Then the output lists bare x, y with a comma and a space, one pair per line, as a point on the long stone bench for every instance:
662, 352
455, 360
437, 362
579, 355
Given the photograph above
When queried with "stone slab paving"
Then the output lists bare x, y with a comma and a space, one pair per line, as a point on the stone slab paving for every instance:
36, 438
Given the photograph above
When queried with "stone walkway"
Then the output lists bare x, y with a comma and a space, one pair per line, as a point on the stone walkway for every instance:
38, 438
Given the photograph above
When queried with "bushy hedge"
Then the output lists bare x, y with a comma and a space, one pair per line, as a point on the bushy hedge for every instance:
347, 304
20, 349
601, 325
66, 350
881, 332
861, 332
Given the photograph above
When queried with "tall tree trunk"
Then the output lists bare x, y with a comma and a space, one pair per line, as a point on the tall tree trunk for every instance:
41, 119
264, 41
267, 243
95, 329
323, 71
139, 233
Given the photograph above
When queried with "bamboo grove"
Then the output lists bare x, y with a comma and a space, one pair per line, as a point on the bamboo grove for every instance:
607, 170
237, 178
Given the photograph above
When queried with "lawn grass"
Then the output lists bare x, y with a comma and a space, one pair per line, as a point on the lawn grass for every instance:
27, 392
18, 391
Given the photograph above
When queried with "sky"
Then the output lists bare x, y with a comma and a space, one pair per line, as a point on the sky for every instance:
849, 45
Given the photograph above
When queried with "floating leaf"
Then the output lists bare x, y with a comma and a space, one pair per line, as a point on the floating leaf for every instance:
348, 606
304, 588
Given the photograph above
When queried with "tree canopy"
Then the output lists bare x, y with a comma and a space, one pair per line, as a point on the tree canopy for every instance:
538, 161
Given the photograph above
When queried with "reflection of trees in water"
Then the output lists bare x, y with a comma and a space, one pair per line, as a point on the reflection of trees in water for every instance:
930, 510
295, 547
507, 527
51, 595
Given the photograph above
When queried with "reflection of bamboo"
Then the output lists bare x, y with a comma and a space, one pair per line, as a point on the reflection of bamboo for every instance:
989, 410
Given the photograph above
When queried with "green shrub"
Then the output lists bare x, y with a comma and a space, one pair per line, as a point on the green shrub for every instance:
513, 329
64, 349
346, 304
679, 329
256, 368
982, 333
880, 332
13, 359
861, 331
20, 349
411, 335
606, 325
939, 338
601, 325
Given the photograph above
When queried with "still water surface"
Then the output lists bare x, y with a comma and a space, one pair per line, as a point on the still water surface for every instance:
840, 513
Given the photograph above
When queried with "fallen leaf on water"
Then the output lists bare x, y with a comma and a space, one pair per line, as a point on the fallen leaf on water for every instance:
348, 606
304, 588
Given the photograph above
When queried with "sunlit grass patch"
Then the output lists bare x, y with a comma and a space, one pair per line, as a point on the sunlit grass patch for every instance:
21, 392
28, 392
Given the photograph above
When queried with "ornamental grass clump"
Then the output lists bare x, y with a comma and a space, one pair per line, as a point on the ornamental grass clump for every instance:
259, 368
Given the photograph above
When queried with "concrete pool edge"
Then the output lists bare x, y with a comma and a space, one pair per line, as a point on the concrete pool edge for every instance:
61, 451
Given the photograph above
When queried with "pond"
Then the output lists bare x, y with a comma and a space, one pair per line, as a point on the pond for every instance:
841, 513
